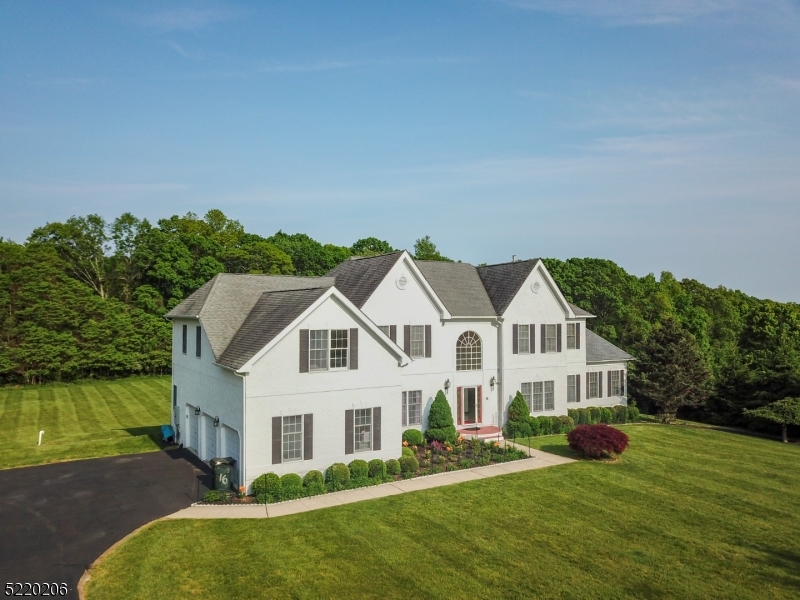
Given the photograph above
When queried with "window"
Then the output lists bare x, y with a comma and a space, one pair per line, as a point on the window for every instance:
412, 408
293, 438
363, 429
594, 387
572, 389
524, 339
185, 338
385, 329
527, 393
616, 383
549, 395
198, 341
417, 341
324, 355
571, 337
538, 396
468, 352
551, 343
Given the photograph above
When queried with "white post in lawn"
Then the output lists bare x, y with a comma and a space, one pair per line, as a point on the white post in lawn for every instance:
41, 433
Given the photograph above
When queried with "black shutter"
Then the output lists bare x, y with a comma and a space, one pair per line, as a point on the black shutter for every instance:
544, 338
622, 383
308, 436
198, 341
277, 431
609, 384
405, 409
599, 384
577, 388
515, 339
376, 428
577, 336
588, 388
174, 395
532, 339
393, 333
558, 337
354, 348
348, 431
304, 350
428, 341
407, 339
185, 337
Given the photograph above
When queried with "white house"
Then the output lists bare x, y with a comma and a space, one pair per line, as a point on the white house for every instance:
289, 374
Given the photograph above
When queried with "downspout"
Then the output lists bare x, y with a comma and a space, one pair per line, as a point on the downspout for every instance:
500, 372
243, 437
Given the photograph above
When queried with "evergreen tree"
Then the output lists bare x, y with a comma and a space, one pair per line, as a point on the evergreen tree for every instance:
440, 421
425, 249
783, 412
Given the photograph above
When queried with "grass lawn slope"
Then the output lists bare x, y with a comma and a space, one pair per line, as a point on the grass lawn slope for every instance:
83, 420
686, 513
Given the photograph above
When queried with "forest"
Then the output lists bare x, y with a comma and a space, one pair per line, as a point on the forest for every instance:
85, 299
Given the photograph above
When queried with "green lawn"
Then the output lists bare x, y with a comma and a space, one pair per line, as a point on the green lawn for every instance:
687, 513
83, 420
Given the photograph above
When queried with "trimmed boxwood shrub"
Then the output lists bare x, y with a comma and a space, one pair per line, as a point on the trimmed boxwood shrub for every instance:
358, 469
409, 464
620, 414
377, 468
337, 476
440, 421
407, 451
594, 415
267, 488
413, 437
291, 486
556, 424
393, 466
583, 416
545, 425
597, 441
567, 424
633, 414
606, 416
572, 413
314, 482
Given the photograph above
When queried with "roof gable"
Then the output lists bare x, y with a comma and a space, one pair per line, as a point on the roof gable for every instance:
458, 286
358, 277
503, 281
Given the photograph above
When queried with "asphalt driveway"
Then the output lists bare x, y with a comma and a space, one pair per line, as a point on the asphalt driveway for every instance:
55, 520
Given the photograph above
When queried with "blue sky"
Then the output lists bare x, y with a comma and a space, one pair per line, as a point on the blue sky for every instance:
661, 135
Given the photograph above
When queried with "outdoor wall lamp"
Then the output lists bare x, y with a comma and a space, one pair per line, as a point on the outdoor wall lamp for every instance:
197, 410
216, 421
446, 385
492, 381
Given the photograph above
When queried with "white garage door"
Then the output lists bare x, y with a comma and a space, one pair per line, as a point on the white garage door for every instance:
211, 438
194, 427
232, 450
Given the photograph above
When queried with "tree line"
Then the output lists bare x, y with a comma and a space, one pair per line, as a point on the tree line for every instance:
85, 299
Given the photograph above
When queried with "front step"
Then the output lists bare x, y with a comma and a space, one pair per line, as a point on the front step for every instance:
487, 433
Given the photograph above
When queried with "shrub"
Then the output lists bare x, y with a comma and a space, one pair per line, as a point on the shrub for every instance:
409, 464
215, 496
606, 416
594, 415
545, 425
291, 486
314, 482
377, 468
597, 441
572, 413
620, 413
407, 451
567, 424
440, 421
413, 437
583, 416
534, 425
267, 488
393, 467
519, 429
358, 469
633, 413
518, 409
337, 476
556, 424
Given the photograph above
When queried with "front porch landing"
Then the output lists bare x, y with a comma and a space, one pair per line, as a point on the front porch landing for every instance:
481, 432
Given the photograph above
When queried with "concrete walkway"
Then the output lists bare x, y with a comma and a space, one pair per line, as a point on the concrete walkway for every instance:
539, 460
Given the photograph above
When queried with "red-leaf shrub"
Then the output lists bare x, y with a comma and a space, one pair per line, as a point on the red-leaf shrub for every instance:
597, 441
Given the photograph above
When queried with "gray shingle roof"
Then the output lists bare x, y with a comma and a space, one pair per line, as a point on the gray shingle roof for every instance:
358, 277
598, 349
503, 281
579, 312
272, 313
459, 287
224, 302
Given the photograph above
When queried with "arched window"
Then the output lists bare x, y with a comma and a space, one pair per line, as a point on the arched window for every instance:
468, 352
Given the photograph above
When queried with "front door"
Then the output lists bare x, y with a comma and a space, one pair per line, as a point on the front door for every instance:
470, 405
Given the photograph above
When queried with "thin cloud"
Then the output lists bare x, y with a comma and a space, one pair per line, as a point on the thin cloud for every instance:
183, 19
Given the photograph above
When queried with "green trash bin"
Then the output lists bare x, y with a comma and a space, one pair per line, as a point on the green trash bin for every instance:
222, 473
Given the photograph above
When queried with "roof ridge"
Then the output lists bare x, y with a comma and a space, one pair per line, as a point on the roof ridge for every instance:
200, 312
510, 262
304, 289
356, 257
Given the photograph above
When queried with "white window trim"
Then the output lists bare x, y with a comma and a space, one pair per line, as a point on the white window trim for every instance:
284, 434
529, 396
589, 395
356, 449
574, 336
407, 408
548, 338
520, 329
552, 394
616, 389
412, 341
539, 393
574, 387
328, 349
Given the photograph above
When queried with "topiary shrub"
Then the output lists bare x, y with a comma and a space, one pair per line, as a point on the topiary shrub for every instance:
440, 421
358, 469
518, 409
534, 425
407, 451
583, 417
567, 424
545, 425
413, 437
377, 468
594, 415
597, 441
393, 467
519, 429
314, 482
267, 488
337, 476
291, 486
606, 416
620, 414
556, 424
633, 413
572, 413
409, 465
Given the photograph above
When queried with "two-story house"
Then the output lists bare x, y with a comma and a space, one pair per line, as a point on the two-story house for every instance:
289, 374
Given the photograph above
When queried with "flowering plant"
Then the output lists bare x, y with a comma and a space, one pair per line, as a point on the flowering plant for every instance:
496, 444
242, 491
405, 443
438, 446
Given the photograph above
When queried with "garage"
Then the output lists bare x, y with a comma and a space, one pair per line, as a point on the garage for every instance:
210, 450
194, 428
